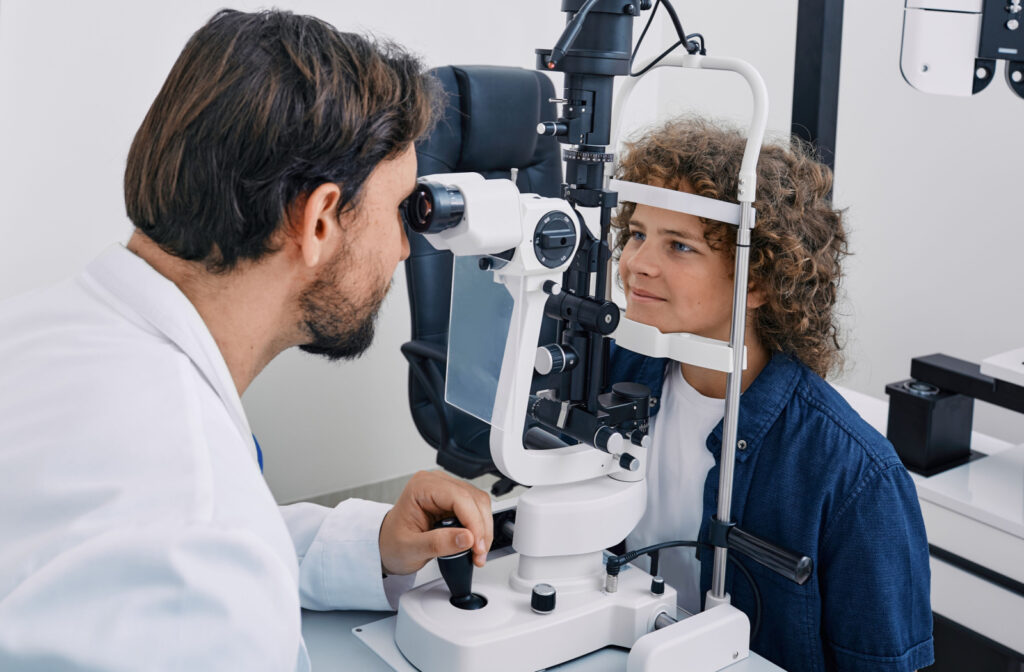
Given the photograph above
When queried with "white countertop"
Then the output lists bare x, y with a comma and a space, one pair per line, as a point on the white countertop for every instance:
989, 490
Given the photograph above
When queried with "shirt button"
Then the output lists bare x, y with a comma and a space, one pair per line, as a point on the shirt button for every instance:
653, 402
741, 444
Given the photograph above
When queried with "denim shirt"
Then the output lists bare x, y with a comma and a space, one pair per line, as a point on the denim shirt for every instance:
816, 478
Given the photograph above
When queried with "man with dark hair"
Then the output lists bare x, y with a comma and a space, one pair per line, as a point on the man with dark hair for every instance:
136, 531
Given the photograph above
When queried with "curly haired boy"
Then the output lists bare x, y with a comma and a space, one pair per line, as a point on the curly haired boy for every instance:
810, 475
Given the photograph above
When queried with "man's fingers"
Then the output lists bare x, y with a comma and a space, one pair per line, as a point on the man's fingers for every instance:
447, 541
431, 496
474, 513
442, 495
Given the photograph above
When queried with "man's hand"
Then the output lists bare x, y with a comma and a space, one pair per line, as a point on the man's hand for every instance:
407, 541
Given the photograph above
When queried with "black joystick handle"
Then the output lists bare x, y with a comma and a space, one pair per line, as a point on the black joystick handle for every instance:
457, 572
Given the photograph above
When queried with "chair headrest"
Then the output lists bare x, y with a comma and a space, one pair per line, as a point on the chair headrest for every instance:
490, 120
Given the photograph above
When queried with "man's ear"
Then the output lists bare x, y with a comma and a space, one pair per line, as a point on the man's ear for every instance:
315, 224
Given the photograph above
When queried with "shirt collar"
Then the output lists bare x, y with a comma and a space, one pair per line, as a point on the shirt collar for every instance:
760, 406
140, 291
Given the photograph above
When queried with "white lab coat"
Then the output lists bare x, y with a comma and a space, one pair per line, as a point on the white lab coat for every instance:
136, 531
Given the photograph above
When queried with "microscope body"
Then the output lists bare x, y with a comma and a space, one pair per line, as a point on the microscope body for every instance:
548, 602
581, 501
551, 601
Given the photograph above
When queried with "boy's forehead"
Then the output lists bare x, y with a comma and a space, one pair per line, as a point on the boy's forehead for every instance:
667, 221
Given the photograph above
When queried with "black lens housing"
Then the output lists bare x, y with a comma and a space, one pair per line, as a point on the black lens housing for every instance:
433, 207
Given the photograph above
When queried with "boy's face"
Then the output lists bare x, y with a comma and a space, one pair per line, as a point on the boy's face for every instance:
673, 279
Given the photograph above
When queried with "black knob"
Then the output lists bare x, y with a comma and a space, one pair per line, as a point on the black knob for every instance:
554, 238
639, 437
543, 598
457, 572
657, 585
628, 462
626, 392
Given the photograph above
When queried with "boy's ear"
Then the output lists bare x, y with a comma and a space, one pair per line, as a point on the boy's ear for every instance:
755, 297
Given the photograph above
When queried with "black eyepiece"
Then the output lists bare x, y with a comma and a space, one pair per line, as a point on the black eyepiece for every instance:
433, 207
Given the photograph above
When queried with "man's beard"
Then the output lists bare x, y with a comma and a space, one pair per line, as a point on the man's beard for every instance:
338, 327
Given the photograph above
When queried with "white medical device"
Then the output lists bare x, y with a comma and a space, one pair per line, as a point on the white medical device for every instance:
952, 47
553, 600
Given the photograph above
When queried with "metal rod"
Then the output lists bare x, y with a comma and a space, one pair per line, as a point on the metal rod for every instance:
663, 620
733, 389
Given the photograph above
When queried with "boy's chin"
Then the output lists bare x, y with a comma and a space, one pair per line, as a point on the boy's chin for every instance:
648, 317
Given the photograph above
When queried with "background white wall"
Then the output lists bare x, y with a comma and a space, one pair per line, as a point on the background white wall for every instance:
928, 183
932, 188
76, 80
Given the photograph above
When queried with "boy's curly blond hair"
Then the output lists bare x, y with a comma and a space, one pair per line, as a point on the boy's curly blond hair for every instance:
797, 244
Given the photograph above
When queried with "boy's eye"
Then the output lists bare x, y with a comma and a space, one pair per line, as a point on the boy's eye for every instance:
681, 247
638, 236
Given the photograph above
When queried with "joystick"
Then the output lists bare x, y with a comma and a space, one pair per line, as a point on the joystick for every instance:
457, 572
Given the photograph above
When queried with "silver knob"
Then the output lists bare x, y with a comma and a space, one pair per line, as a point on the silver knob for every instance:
553, 359
608, 440
544, 361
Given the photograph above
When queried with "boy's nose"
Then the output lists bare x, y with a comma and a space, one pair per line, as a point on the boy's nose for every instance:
642, 262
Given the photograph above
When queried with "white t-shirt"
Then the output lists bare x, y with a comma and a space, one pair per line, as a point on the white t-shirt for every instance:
678, 466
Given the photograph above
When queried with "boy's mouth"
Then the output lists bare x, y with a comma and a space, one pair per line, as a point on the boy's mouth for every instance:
643, 296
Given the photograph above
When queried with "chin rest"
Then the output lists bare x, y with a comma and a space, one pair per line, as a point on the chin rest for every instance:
489, 126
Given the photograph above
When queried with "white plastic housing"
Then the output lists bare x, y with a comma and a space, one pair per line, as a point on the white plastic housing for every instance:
1008, 366
689, 348
491, 221
532, 467
498, 218
940, 45
506, 636
709, 641
549, 520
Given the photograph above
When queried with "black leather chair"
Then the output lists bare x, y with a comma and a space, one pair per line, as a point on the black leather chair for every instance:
488, 127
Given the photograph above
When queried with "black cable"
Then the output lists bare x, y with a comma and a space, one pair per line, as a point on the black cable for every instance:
679, 27
643, 34
668, 51
571, 32
700, 49
756, 626
691, 47
655, 61
615, 563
